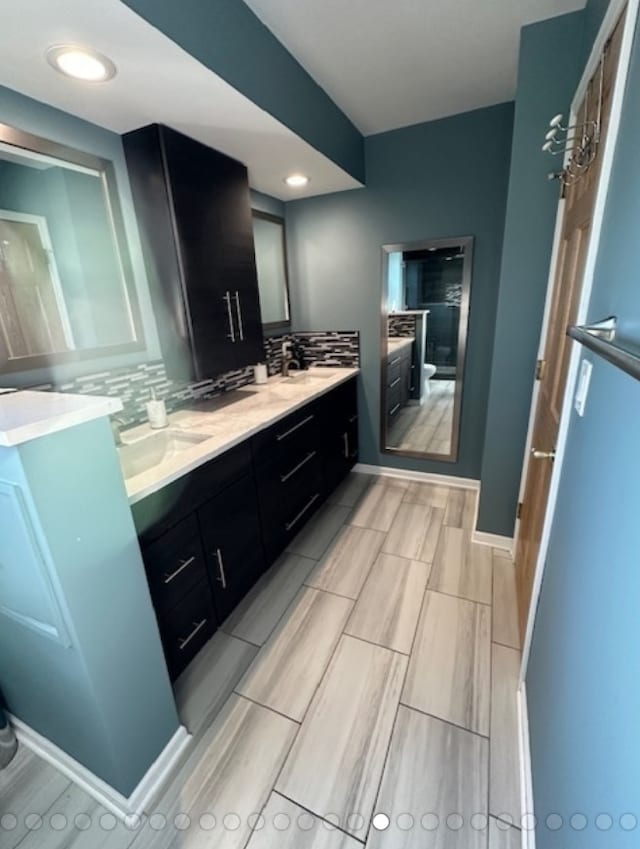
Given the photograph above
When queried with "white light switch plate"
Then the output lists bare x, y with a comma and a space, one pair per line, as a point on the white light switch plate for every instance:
582, 389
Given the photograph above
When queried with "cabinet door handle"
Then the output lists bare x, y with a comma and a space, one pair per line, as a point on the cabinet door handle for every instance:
183, 565
221, 575
198, 627
291, 430
394, 410
353, 418
394, 383
345, 438
239, 314
232, 333
393, 362
295, 520
284, 478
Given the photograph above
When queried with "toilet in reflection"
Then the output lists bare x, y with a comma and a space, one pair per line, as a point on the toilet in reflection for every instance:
428, 372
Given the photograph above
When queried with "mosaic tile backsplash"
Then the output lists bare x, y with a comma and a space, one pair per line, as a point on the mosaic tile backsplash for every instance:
134, 385
401, 325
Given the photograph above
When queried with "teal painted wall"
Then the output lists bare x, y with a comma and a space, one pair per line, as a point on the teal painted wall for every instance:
551, 61
105, 698
582, 682
228, 38
444, 178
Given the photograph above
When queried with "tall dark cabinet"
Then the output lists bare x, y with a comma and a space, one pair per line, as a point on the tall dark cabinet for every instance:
194, 212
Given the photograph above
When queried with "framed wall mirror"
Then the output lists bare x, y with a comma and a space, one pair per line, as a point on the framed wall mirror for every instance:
66, 288
271, 261
425, 314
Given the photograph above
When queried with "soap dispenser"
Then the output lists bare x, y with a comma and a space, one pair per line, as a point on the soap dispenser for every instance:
156, 412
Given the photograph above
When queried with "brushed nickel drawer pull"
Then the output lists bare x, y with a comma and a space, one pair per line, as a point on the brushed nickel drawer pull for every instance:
231, 334
394, 410
345, 438
182, 567
198, 627
395, 382
310, 455
239, 314
291, 430
293, 522
221, 575
393, 362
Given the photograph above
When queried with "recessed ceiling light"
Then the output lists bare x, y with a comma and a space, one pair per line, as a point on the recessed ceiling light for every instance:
81, 63
296, 180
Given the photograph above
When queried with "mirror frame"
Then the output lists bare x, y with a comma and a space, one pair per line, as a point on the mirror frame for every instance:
466, 242
29, 142
285, 324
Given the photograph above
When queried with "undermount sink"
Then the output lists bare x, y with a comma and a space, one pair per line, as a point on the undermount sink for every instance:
149, 451
310, 376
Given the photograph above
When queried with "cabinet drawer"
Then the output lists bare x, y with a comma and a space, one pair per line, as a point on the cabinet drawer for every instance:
159, 511
281, 521
289, 438
174, 564
187, 628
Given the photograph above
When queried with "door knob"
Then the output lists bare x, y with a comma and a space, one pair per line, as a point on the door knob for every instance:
543, 455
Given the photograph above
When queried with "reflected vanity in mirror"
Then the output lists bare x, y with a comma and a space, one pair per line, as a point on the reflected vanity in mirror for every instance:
271, 264
425, 309
66, 291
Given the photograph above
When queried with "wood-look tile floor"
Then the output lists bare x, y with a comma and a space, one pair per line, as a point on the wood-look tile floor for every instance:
372, 671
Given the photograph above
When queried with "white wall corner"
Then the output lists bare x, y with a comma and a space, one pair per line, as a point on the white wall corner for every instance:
526, 779
143, 796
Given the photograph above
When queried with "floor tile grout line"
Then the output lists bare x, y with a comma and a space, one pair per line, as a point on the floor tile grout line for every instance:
446, 721
507, 646
242, 639
262, 705
317, 816
42, 815
499, 818
375, 645
395, 718
459, 597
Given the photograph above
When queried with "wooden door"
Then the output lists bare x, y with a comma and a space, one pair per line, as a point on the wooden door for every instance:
30, 315
569, 272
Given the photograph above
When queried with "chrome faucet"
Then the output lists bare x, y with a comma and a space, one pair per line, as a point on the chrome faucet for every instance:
288, 359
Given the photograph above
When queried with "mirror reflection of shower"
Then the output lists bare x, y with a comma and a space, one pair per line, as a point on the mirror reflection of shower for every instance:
424, 333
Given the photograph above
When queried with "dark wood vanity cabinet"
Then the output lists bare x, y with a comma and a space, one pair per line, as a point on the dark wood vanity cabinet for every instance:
341, 434
207, 537
194, 212
288, 463
399, 373
230, 532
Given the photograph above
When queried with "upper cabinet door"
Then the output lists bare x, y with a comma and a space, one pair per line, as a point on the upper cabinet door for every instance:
194, 210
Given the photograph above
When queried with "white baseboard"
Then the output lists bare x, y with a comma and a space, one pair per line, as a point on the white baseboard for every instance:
148, 789
494, 540
526, 779
423, 477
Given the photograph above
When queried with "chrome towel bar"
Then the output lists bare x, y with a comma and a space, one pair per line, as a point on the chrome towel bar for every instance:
600, 337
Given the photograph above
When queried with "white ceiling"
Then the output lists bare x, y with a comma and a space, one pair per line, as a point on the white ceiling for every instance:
157, 81
391, 63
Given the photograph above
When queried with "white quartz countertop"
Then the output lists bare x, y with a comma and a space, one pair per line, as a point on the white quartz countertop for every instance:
395, 343
29, 414
228, 420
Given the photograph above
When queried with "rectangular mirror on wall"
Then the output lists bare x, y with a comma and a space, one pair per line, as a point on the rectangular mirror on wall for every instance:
66, 291
425, 310
271, 262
